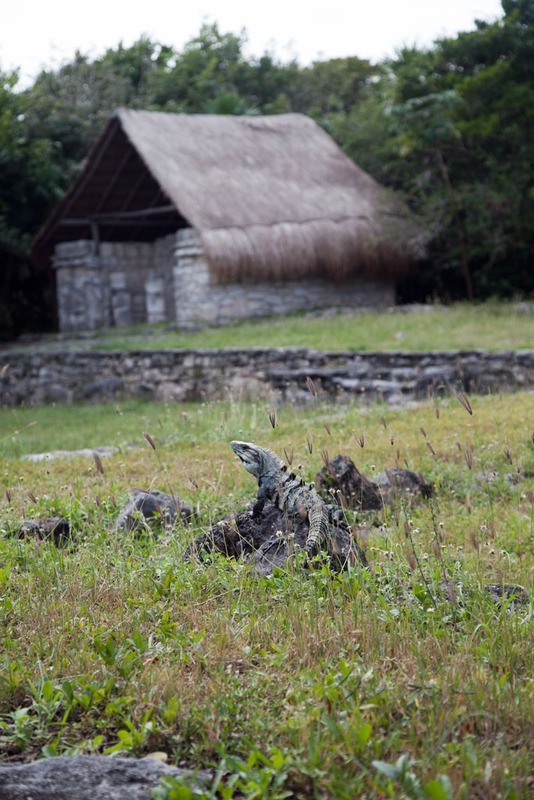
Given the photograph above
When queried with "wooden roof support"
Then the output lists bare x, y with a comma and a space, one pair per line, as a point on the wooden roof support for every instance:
104, 196
119, 217
95, 236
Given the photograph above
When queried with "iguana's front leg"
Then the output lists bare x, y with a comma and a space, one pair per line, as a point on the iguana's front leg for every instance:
258, 506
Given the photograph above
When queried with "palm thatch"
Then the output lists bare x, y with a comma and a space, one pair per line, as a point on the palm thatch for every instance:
271, 197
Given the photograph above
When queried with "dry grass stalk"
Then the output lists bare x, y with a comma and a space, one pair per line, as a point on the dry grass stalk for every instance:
289, 455
98, 462
469, 455
463, 399
150, 440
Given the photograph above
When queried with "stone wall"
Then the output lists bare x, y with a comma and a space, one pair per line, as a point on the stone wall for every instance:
276, 375
133, 282
198, 299
158, 285
104, 289
81, 296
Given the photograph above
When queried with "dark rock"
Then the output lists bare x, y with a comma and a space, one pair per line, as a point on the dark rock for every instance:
87, 778
55, 528
56, 393
507, 592
103, 389
434, 381
455, 592
150, 509
340, 480
269, 540
396, 483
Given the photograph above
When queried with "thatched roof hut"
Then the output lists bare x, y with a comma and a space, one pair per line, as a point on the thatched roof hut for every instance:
271, 197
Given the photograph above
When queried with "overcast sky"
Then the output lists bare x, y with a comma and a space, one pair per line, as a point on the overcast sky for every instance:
37, 34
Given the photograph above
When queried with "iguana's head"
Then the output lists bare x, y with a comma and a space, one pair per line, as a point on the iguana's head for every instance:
257, 460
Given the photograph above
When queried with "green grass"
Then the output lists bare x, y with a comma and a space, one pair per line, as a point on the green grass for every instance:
491, 326
308, 684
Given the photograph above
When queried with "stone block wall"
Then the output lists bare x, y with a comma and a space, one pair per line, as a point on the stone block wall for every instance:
159, 295
97, 291
276, 375
83, 298
132, 282
198, 299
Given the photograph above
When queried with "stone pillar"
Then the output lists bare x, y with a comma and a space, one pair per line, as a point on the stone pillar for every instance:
82, 287
164, 258
193, 301
155, 298
120, 299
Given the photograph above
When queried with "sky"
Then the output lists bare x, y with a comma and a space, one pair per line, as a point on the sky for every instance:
36, 34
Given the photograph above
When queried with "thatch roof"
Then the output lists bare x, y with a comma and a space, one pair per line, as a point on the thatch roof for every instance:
271, 197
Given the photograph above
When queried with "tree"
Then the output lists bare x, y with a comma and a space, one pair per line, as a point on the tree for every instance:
29, 179
460, 137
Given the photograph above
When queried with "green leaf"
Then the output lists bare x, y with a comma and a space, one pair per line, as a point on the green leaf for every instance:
48, 691
171, 711
277, 759
389, 770
436, 791
364, 733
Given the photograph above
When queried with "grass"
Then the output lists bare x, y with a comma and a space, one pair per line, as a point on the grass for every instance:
491, 326
308, 684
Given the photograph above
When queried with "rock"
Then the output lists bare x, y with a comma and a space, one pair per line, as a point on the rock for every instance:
102, 389
151, 509
340, 480
85, 452
56, 393
55, 528
395, 483
507, 592
455, 592
87, 778
268, 541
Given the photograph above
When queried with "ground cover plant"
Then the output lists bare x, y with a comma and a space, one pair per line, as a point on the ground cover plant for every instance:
369, 683
488, 326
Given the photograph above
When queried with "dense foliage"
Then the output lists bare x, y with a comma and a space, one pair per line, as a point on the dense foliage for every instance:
452, 128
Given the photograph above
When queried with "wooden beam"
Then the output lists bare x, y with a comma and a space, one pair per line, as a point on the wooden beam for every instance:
95, 235
111, 183
119, 217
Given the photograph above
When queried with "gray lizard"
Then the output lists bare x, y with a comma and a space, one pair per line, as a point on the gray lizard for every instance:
286, 490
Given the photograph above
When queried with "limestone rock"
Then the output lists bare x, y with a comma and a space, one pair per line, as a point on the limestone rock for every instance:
395, 484
268, 540
55, 528
86, 778
150, 509
341, 481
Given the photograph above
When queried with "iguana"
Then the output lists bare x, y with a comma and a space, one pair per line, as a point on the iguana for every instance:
286, 490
